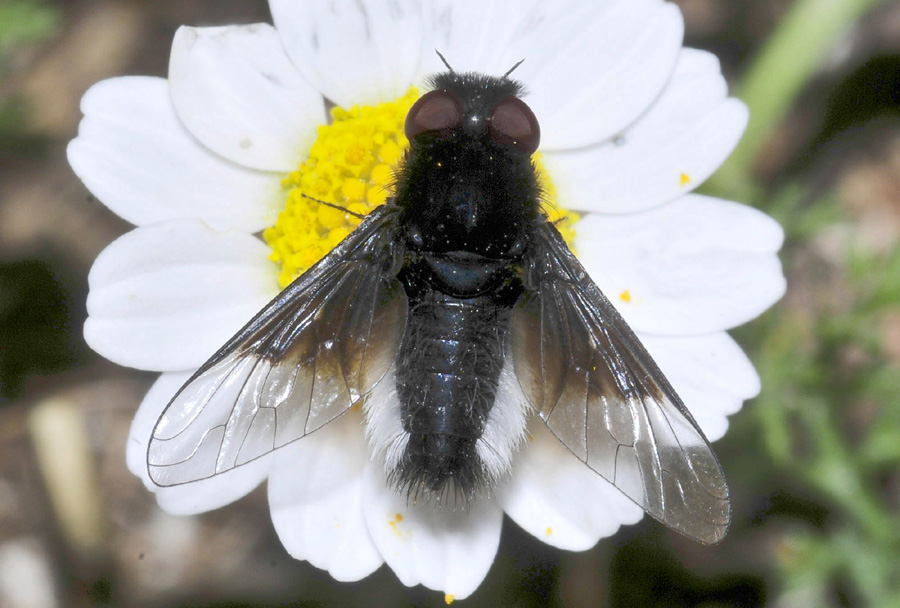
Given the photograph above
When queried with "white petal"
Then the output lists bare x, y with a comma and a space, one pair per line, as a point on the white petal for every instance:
164, 297
694, 266
489, 37
599, 71
134, 154
195, 497
315, 494
556, 498
590, 69
441, 548
684, 137
353, 52
236, 91
710, 373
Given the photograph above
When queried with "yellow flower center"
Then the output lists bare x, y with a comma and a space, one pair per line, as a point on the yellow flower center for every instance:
352, 164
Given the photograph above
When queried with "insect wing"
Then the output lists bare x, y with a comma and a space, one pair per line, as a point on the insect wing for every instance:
306, 358
601, 394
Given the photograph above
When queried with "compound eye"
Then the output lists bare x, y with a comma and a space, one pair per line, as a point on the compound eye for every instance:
514, 124
435, 111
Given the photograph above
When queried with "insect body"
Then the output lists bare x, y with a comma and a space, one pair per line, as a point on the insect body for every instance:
453, 312
469, 198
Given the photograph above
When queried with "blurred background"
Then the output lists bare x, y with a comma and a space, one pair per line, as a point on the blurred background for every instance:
812, 463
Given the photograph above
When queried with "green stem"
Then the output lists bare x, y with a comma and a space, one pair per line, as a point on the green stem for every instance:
836, 473
793, 54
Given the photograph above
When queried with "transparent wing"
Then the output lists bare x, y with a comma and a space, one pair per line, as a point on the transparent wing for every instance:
306, 358
598, 390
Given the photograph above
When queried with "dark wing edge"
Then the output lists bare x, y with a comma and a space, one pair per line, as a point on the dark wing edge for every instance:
599, 391
302, 361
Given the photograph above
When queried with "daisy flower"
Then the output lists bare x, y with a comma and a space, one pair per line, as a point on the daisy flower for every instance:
210, 166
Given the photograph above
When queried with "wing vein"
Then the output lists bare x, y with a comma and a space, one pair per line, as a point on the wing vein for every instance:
303, 356
642, 438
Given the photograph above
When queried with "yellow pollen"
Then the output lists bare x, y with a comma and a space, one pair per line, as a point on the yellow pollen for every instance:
392, 523
549, 531
685, 179
352, 164
449, 598
563, 219
625, 296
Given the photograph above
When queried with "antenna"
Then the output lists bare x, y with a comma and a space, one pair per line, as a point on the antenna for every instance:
443, 59
510, 71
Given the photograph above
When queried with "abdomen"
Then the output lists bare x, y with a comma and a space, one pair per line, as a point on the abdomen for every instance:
447, 379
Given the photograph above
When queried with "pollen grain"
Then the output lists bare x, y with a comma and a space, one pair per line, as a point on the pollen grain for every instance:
394, 522
351, 164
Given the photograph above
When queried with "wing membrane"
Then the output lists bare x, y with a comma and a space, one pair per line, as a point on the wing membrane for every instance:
599, 391
306, 358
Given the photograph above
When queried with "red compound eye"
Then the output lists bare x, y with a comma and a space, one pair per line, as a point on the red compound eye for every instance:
514, 124
434, 111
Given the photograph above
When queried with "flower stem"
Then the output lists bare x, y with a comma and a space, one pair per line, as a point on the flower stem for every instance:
792, 55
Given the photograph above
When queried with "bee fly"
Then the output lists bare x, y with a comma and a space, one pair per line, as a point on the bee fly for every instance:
452, 313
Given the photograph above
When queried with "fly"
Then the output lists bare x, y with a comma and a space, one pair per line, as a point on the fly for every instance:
452, 314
